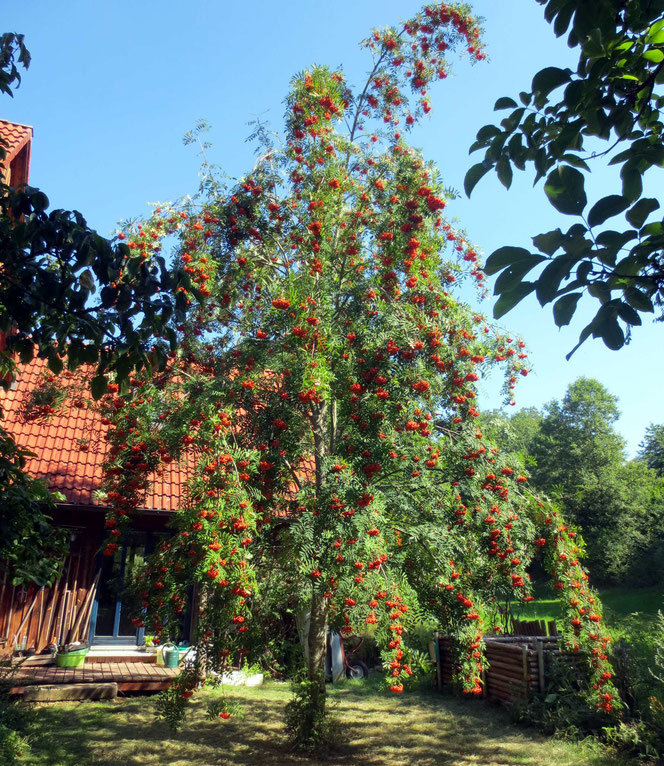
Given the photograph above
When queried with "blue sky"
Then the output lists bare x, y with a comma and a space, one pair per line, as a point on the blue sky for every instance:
114, 86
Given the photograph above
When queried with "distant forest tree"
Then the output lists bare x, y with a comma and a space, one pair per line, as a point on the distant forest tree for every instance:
576, 456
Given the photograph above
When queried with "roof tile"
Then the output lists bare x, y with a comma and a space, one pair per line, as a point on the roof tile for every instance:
57, 442
15, 136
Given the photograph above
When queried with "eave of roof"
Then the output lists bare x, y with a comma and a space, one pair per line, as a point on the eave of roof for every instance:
15, 136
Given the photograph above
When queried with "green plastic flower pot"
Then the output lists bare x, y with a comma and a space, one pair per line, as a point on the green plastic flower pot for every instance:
71, 659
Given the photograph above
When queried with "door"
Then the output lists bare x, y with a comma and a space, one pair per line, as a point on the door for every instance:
112, 611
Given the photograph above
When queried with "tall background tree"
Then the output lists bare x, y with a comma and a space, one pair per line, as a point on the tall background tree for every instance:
576, 455
607, 111
651, 448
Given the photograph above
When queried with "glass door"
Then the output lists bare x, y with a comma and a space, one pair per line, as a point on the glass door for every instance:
111, 617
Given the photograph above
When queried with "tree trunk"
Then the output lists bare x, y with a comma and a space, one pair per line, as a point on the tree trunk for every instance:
317, 636
317, 650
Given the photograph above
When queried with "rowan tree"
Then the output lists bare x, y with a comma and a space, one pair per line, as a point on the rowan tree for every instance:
324, 398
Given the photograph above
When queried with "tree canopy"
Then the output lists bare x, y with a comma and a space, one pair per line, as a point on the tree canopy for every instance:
651, 448
607, 110
325, 398
576, 456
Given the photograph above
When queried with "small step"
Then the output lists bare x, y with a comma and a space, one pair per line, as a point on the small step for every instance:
66, 692
114, 654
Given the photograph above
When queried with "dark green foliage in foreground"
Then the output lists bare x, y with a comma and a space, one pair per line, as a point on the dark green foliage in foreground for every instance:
609, 108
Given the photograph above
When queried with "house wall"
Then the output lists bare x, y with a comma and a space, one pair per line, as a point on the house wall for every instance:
34, 618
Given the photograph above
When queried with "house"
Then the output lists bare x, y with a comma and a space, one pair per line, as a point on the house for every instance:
16, 140
68, 441
69, 446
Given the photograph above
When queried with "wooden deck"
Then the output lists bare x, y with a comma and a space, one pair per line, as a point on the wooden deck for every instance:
129, 676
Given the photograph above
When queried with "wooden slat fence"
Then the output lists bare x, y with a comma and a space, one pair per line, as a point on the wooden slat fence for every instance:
518, 665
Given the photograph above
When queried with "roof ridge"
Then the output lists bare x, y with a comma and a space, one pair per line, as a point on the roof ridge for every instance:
18, 124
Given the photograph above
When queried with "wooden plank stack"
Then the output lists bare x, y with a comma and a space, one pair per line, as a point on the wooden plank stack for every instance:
33, 618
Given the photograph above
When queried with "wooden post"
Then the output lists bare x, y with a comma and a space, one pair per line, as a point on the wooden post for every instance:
524, 656
74, 590
540, 664
40, 622
36, 615
9, 613
24, 620
439, 669
66, 597
85, 611
50, 612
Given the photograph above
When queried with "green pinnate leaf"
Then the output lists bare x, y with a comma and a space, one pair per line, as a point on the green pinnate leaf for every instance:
654, 55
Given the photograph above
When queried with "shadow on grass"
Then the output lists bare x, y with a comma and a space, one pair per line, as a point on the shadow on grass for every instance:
423, 728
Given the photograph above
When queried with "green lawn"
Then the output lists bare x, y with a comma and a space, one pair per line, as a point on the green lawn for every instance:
618, 602
419, 728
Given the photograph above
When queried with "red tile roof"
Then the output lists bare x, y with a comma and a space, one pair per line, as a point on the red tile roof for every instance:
70, 445
15, 136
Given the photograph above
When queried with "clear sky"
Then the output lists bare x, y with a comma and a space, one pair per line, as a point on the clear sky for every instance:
114, 86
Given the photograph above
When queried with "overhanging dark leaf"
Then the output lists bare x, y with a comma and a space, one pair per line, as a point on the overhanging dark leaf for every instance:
550, 279
549, 242
508, 301
549, 79
638, 300
473, 176
606, 208
98, 386
504, 256
564, 308
504, 172
565, 189
505, 103
638, 214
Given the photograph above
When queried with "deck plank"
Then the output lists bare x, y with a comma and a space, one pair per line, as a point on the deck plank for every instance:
131, 676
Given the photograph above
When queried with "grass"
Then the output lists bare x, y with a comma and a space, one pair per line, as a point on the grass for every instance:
419, 728
619, 603
376, 728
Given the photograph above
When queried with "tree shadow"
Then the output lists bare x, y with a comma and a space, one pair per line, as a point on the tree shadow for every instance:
423, 729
